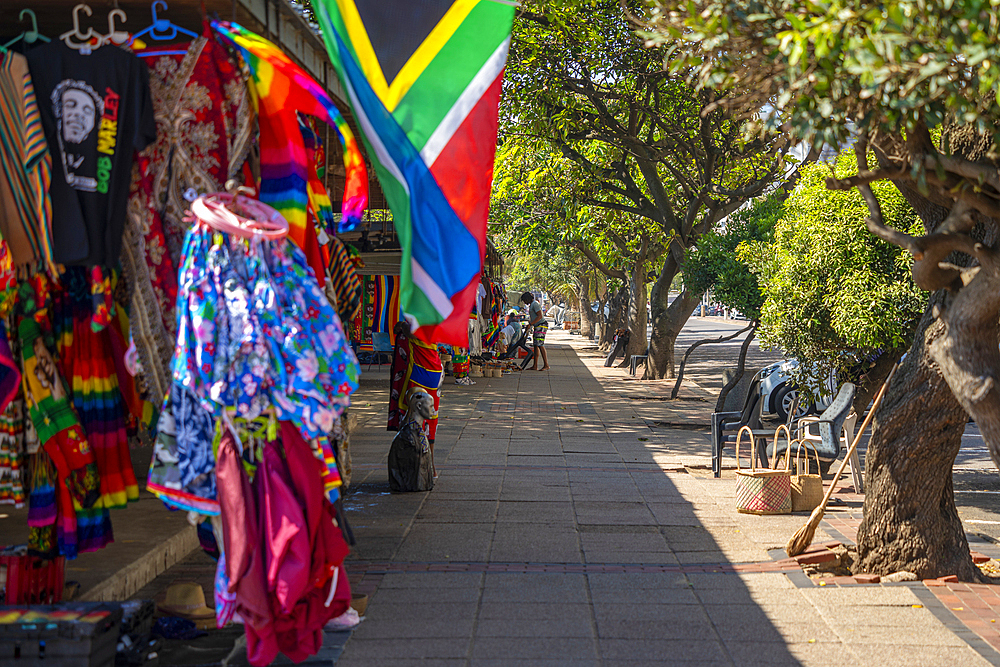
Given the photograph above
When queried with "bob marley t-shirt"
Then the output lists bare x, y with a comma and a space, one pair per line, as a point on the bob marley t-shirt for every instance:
97, 112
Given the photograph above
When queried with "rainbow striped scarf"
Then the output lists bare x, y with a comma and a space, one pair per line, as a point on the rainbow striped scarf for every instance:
279, 89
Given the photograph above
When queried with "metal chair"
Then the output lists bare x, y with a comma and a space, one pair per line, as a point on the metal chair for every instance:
380, 341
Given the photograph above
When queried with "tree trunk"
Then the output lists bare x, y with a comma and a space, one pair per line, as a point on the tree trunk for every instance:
667, 324
709, 341
586, 314
740, 370
637, 319
616, 318
910, 520
872, 379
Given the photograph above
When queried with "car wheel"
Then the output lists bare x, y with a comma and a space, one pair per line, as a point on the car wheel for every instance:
783, 403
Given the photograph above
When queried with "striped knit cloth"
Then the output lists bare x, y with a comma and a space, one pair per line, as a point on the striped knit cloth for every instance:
27, 166
345, 281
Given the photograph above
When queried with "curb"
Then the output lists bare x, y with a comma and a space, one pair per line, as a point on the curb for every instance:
131, 578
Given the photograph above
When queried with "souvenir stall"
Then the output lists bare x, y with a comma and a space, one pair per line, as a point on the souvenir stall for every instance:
140, 298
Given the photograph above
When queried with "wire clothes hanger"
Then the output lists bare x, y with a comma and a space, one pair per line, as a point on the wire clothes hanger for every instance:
28, 36
162, 30
240, 215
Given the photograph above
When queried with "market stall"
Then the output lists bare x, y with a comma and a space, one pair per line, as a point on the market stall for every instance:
128, 275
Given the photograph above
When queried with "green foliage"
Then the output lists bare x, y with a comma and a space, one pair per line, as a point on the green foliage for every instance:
833, 292
539, 206
543, 270
838, 66
715, 263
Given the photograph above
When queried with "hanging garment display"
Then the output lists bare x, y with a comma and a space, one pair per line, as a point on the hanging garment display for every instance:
282, 91
96, 112
25, 208
261, 375
255, 334
204, 132
11, 456
343, 282
379, 310
83, 328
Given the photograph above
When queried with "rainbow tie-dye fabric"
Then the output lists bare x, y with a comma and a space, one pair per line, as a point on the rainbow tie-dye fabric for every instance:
280, 88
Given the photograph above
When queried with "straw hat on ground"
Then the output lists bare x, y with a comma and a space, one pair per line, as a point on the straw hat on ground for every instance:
187, 600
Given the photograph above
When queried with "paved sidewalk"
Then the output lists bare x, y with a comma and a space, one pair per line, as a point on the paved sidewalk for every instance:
576, 522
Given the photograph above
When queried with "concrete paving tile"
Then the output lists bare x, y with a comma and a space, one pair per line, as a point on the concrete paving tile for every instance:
456, 611
534, 648
376, 548
746, 653
601, 581
521, 542
624, 541
668, 651
625, 611
579, 613
535, 587
923, 636
425, 595
535, 512
861, 596
907, 656
668, 626
536, 493
534, 448
698, 556
347, 661
415, 626
380, 651
659, 663
661, 597
595, 512
521, 627
446, 541
440, 510
624, 556
419, 580
558, 662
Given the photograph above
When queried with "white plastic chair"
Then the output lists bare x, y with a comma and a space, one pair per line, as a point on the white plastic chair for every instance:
846, 438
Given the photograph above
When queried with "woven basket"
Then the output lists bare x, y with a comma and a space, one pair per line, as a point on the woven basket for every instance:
761, 491
807, 489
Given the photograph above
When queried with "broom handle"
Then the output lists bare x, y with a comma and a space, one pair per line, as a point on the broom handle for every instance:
857, 436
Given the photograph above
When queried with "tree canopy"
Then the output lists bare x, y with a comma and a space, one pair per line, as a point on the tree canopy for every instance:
832, 293
716, 265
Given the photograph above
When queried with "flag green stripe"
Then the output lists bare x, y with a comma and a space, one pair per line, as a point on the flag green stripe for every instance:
438, 87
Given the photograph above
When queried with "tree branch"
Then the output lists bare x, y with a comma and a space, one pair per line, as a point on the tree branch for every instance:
589, 253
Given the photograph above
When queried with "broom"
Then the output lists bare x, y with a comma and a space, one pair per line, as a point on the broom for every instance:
803, 537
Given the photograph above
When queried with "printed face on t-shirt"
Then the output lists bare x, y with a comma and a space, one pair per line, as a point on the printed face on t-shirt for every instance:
79, 115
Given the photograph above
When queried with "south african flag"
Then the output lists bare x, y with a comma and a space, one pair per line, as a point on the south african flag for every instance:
423, 80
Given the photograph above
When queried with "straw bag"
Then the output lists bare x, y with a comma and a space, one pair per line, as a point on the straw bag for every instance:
807, 489
761, 491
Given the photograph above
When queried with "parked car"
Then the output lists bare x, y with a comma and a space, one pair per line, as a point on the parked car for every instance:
778, 391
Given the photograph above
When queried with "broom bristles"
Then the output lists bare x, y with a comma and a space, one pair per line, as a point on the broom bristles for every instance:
803, 537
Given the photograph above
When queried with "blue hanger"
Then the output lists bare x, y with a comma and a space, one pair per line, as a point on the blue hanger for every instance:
162, 30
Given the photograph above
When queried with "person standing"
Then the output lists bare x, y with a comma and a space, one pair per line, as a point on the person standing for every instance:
539, 326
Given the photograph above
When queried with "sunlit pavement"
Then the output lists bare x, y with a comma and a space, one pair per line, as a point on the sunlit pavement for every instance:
576, 522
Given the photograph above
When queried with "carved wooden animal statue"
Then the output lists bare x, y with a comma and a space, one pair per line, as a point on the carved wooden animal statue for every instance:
410, 463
